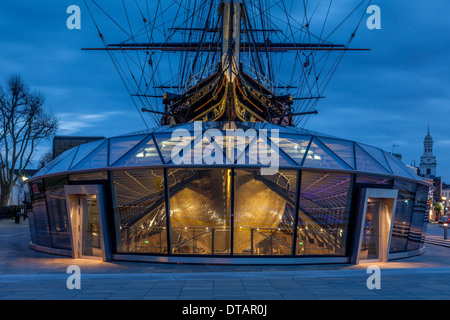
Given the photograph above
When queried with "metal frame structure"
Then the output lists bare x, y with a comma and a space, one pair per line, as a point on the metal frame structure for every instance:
348, 165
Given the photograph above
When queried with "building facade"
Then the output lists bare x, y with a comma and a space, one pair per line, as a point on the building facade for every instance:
445, 198
428, 163
131, 198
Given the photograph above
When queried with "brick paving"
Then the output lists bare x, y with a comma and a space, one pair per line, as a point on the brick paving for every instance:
29, 275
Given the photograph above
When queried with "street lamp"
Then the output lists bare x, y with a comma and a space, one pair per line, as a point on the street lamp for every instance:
445, 204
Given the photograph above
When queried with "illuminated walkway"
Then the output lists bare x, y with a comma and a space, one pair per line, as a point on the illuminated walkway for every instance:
26, 274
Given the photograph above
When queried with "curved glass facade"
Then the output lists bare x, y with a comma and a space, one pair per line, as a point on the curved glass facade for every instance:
156, 207
323, 213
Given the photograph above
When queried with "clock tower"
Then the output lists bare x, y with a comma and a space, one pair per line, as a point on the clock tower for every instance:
428, 162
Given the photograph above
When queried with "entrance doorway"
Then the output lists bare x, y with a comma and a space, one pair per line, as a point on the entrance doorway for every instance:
85, 204
376, 228
372, 239
90, 227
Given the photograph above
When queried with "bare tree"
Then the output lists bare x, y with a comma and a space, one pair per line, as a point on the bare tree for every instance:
45, 159
24, 123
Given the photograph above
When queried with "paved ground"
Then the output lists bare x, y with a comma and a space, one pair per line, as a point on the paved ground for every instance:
26, 274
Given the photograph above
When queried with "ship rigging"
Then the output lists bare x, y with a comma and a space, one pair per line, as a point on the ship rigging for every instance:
226, 60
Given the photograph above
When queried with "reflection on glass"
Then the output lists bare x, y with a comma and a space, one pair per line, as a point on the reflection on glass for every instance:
146, 154
264, 212
377, 154
416, 234
96, 159
323, 214
344, 149
364, 162
58, 218
365, 179
40, 223
319, 157
200, 212
121, 145
295, 146
166, 143
91, 228
139, 211
91, 176
370, 245
83, 150
403, 213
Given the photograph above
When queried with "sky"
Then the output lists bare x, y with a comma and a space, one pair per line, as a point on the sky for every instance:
383, 97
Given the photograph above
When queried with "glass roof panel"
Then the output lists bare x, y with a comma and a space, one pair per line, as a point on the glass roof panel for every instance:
364, 162
294, 146
166, 144
213, 150
235, 143
261, 152
64, 164
49, 167
377, 154
141, 149
318, 156
84, 150
144, 154
121, 145
205, 151
343, 149
399, 168
96, 159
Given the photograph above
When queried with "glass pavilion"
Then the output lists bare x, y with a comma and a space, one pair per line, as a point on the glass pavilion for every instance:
132, 198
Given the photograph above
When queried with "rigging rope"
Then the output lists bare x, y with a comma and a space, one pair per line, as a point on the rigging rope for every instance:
305, 73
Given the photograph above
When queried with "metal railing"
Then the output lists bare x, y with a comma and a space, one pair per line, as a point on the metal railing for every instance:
145, 240
318, 241
217, 241
200, 76
192, 238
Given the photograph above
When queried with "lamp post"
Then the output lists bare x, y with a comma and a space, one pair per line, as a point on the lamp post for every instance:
445, 205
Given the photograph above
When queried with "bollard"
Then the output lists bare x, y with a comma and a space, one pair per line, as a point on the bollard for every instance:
445, 231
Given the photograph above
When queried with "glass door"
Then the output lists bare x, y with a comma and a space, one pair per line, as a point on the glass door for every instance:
90, 233
371, 239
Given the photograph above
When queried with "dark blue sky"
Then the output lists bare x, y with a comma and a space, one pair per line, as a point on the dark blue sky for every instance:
381, 97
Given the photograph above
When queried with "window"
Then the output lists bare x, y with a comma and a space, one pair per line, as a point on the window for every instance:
415, 238
200, 211
264, 212
139, 211
323, 214
403, 214
58, 217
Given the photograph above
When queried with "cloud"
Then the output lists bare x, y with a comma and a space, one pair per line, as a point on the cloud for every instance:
77, 123
382, 97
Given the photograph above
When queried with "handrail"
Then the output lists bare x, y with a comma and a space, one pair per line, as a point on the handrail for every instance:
256, 74
134, 237
272, 238
189, 239
194, 80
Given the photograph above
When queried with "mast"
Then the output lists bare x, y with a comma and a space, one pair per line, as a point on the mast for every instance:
256, 60
231, 45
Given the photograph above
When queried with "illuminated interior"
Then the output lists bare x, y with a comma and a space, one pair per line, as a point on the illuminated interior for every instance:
156, 207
